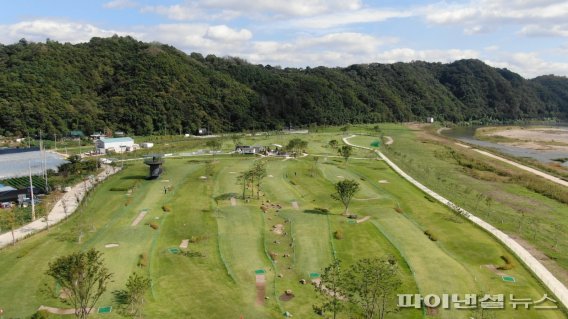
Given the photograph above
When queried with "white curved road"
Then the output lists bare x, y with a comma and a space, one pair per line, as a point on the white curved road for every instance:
545, 276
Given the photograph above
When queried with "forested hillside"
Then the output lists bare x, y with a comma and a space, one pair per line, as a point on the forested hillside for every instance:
119, 83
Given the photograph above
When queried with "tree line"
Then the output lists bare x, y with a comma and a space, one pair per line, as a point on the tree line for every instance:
119, 83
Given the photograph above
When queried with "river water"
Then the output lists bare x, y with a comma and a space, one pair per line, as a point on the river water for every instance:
15, 165
466, 134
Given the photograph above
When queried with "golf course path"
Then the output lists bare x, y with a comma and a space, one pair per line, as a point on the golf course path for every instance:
64, 207
551, 282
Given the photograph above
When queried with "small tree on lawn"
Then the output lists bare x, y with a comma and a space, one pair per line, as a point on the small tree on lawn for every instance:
85, 278
259, 171
345, 151
344, 191
213, 144
244, 179
371, 285
136, 287
333, 143
330, 290
296, 146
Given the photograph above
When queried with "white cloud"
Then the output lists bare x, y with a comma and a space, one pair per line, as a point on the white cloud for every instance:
481, 16
408, 55
533, 30
224, 33
348, 17
175, 12
528, 64
119, 4
285, 8
261, 10
63, 31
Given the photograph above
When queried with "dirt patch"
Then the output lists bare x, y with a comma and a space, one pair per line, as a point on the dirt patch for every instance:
111, 245
184, 243
295, 205
286, 297
432, 312
278, 229
139, 218
233, 201
550, 264
463, 145
260, 289
364, 219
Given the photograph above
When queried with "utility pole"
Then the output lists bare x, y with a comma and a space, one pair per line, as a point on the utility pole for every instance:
31, 190
55, 137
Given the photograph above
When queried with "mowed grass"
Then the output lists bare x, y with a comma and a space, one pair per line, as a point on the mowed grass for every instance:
230, 242
460, 253
538, 220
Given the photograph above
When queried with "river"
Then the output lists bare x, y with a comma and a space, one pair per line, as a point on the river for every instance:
466, 134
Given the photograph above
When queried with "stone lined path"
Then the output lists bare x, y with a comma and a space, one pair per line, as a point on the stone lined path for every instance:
72, 199
545, 276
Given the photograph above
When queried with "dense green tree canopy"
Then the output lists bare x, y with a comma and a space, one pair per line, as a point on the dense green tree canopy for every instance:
119, 83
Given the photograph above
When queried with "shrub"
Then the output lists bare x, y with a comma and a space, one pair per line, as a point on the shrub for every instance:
338, 234
322, 210
154, 225
398, 210
142, 260
167, 208
431, 235
119, 189
40, 314
508, 263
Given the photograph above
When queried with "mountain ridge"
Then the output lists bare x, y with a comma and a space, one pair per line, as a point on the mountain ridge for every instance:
143, 88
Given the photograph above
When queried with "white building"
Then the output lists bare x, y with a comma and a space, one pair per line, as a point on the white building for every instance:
117, 145
429, 120
146, 145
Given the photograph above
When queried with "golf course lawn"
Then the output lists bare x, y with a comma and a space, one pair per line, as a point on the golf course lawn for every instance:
233, 242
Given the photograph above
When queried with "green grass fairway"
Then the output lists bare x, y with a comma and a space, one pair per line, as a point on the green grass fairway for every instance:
231, 243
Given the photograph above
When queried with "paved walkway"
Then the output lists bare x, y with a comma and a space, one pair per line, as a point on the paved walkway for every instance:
64, 207
553, 284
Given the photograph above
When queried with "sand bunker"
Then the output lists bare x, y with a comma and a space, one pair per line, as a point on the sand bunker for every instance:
339, 176
383, 181
184, 243
295, 205
58, 311
260, 289
233, 201
112, 245
270, 176
139, 218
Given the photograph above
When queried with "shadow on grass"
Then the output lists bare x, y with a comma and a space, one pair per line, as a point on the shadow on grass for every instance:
317, 211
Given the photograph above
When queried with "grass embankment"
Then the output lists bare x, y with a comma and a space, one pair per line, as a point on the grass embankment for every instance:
495, 191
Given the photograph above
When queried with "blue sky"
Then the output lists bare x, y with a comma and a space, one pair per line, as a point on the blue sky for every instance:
527, 36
